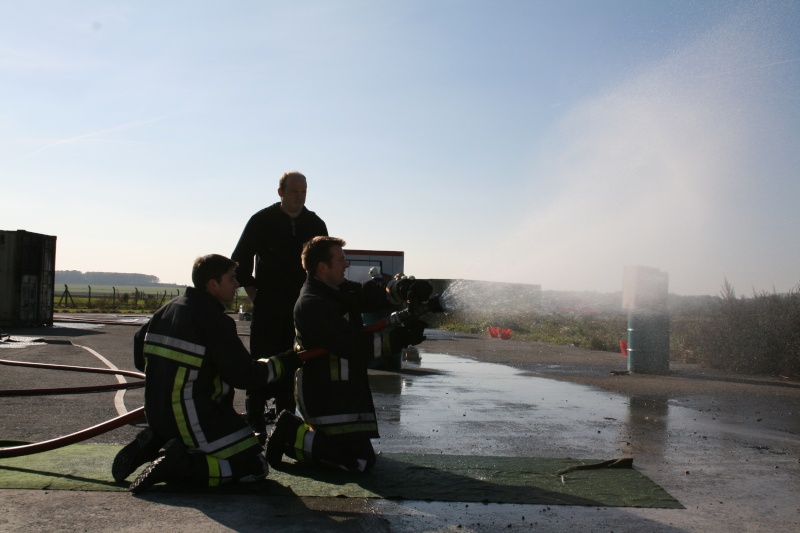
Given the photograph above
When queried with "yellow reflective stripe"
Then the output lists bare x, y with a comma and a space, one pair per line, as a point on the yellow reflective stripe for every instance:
275, 368
177, 406
172, 342
166, 353
223, 442
334, 361
236, 448
214, 473
303, 443
218, 390
300, 436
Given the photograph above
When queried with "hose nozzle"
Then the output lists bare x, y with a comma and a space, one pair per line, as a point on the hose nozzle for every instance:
431, 305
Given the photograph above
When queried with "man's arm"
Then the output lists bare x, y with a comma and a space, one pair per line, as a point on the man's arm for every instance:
251, 292
138, 348
321, 325
244, 254
234, 362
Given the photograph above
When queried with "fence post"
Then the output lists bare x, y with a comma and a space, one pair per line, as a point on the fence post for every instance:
113, 297
67, 297
89, 306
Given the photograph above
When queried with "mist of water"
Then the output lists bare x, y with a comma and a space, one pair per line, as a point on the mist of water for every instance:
469, 296
688, 166
458, 297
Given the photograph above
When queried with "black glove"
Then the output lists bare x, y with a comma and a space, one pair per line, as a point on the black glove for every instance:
286, 364
408, 333
419, 291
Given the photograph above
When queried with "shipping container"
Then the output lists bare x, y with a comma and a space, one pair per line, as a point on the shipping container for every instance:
27, 277
388, 263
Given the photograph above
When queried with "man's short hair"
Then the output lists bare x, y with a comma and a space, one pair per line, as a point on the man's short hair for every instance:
318, 250
208, 267
286, 176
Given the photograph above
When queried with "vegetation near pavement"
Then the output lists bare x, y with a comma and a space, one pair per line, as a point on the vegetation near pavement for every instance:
757, 335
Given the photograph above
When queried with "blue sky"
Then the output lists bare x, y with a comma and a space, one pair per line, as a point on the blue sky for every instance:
537, 142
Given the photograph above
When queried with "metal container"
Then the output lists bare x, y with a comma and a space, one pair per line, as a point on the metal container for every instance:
648, 343
27, 277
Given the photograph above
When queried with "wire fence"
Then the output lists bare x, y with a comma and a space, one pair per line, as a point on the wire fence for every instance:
128, 298
84, 297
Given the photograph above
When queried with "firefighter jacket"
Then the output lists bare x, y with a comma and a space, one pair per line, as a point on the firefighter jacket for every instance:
332, 391
274, 241
193, 358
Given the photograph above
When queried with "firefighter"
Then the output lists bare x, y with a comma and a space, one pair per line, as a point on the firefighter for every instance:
193, 359
332, 391
271, 242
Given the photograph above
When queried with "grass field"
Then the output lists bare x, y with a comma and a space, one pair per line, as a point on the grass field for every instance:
129, 299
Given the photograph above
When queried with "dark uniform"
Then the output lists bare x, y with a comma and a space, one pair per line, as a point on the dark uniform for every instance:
332, 391
193, 359
273, 241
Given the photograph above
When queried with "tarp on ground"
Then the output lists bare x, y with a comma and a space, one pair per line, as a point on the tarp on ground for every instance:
433, 477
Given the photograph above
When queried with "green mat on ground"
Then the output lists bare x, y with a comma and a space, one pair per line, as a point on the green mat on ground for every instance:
523, 480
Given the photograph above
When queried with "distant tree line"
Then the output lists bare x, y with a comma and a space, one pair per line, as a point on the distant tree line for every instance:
75, 277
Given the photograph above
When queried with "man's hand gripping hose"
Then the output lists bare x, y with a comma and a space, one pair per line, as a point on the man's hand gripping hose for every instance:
413, 311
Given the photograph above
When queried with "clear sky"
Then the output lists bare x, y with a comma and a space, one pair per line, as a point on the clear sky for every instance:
545, 142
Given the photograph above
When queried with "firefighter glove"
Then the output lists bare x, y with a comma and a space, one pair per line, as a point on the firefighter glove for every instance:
285, 364
409, 333
419, 291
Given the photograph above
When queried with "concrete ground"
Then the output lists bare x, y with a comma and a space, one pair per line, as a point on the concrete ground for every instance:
725, 446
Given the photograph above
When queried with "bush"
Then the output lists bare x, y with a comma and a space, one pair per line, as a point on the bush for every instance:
758, 335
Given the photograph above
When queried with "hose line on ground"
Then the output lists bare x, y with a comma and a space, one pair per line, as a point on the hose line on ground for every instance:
72, 438
99, 429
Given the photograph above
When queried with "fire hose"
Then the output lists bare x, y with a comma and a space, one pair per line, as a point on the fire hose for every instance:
72, 438
88, 433
68, 390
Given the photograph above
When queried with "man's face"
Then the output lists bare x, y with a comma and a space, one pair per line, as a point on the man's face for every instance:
225, 289
333, 273
293, 195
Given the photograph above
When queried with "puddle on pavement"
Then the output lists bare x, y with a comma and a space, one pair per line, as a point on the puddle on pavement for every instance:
468, 407
17, 341
77, 325
471, 407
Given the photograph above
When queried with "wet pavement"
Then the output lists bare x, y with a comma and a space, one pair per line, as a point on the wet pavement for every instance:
726, 447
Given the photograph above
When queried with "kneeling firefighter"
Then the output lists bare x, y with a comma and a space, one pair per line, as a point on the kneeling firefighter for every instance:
332, 390
193, 359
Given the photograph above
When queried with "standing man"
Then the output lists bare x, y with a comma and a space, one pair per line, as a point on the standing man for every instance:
333, 391
272, 242
193, 360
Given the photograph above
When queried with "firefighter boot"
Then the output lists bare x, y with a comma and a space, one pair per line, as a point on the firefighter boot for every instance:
143, 449
173, 465
282, 439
